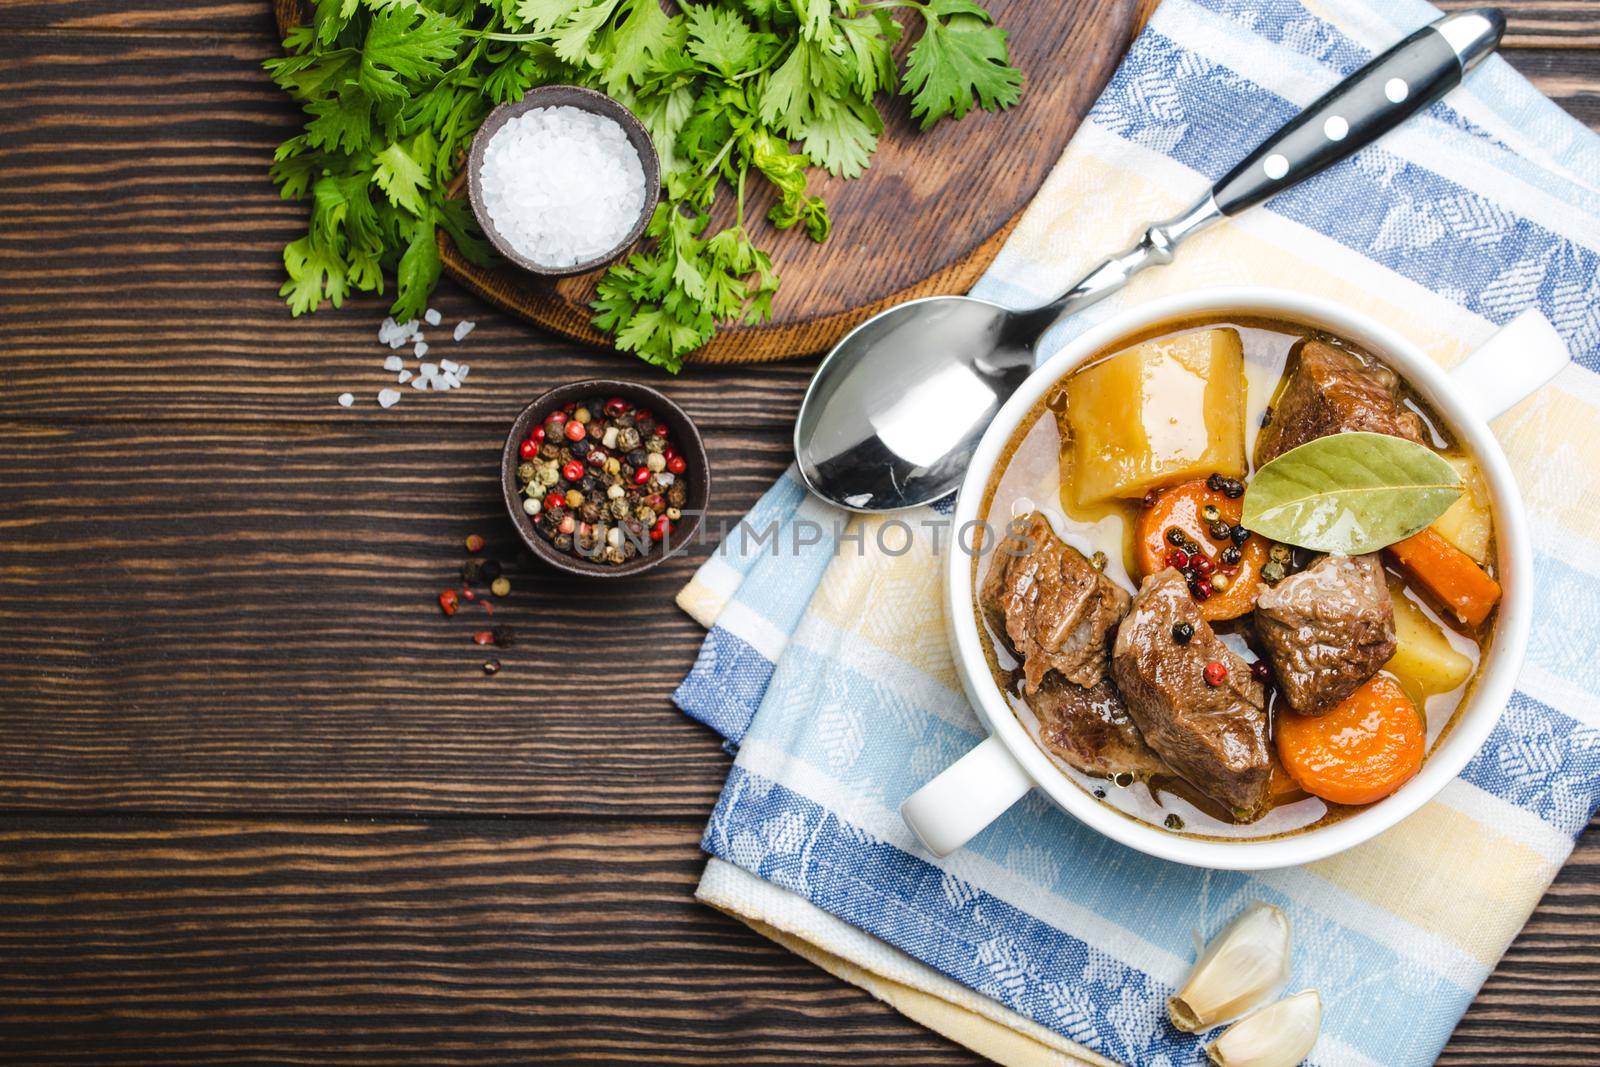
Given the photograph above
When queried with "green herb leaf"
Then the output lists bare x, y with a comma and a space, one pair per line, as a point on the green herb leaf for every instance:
732, 92
1350, 493
960, 57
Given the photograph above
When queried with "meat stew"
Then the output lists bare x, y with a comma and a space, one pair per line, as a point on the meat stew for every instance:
1151, 644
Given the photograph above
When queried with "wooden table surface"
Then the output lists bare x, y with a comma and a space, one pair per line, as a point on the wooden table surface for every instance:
257, 800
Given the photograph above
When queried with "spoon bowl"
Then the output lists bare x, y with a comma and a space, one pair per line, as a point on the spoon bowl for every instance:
899, 404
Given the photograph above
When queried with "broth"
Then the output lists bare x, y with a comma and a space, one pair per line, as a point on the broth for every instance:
1035, 473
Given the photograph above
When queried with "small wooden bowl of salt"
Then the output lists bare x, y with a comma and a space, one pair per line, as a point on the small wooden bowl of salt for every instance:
563, 181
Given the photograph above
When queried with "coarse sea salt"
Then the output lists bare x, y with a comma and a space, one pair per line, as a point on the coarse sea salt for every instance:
562, 185
346, 399
431, 316
388, 398
464, 327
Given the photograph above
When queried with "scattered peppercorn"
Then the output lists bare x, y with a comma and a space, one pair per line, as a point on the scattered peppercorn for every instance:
1240, 535
1219, 583
1230, 556
483, 637
1175, 537
1260, 671
1232, 488
504, 636
1183, 632
1173, 822
1273, 572
1280, 554
1220, 531
491, 666
500, 586
1210, 513
449, 602
474, 543
1215, 673
472, 571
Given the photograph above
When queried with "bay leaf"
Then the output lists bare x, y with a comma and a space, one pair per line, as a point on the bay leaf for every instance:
1350, 493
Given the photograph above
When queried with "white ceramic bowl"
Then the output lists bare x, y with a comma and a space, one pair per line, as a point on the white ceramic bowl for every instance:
976, 789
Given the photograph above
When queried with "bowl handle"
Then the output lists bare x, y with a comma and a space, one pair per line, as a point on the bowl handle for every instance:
1511, 365
968, 795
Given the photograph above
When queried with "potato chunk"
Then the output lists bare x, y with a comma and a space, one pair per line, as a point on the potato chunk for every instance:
1467, 523
1424, 662
1158, 413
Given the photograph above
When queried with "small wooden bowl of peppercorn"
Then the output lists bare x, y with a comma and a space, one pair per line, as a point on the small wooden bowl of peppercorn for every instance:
605, 478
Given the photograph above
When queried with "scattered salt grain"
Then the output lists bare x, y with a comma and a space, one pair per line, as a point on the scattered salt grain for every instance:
431, 317
428, 370
346, 399
421, 349
450, 380
461, 371
464, 327
562, 185
405, 376
420, 383
666, 477
449, 366
394, 363
388, 398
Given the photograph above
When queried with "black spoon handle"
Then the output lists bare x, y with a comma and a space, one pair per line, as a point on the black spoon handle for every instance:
1363, 107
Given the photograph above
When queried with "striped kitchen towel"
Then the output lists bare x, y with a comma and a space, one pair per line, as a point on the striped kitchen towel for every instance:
826, 666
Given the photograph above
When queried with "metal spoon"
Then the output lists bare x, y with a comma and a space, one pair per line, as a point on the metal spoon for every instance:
896, 409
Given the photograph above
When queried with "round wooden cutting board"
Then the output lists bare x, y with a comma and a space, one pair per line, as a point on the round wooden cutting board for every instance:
927, 217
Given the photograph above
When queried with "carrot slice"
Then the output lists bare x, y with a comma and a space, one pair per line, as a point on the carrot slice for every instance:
1183, 506
1449, 574
1369, 745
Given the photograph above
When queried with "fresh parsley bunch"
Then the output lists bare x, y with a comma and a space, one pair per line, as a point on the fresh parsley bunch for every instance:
734, 92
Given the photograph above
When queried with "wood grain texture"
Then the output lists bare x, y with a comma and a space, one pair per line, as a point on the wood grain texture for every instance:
257, 801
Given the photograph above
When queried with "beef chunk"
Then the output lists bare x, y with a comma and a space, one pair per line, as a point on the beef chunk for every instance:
1327, 630
1056, 611
1331, 390
1090, 729
1215, 736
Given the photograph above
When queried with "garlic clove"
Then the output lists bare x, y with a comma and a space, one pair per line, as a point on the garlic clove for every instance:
1279, 1036
1244, 967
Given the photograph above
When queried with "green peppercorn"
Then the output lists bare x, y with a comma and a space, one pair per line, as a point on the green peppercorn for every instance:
1280, 554
1210, 513
1273, 572
500, 586
526, 472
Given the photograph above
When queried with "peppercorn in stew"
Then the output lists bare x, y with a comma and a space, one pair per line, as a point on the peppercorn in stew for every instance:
1184, 669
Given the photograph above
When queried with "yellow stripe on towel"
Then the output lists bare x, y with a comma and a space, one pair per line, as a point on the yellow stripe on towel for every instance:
1448, 874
